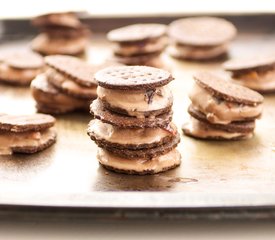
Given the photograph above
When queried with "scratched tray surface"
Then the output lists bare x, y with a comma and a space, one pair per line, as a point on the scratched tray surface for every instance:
212, 173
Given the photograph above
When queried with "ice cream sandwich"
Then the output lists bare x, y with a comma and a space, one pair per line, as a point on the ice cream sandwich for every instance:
257, 73
61, 33
221, 109
20, 67
200, 38
67, 85
139, 44
26, 133
132, 125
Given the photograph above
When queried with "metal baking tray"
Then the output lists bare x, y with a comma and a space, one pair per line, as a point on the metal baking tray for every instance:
217, 179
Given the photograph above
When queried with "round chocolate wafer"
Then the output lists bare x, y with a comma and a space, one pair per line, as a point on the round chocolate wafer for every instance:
137, 32
69, 86
51, 100
139, 166
251, 63
227, 90
188, 132
132, 77
43, 144
101, 113
78, 70
240, 127
25, 123
47, 45
23, 59
63, 19
146, 153
202, 31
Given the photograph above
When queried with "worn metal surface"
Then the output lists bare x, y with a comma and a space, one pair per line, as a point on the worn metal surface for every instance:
213, 173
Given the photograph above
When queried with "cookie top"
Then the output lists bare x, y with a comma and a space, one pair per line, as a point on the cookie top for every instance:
249, 63
226, 90
22, 59
80, 71
202, 31
63, 19
26, 123
132, 77
137, 32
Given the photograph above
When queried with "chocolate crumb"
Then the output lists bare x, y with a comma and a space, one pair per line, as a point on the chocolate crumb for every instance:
149, 95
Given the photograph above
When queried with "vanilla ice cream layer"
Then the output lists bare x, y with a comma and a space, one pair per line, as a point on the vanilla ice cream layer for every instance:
137, 102
156, 164
220, 111
133, 136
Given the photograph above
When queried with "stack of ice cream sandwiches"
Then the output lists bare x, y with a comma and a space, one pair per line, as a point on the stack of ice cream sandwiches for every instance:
221, 109
132, 125
139, 44
66, 86
61, 33
26, 133
20, 67
257, 73
200, 38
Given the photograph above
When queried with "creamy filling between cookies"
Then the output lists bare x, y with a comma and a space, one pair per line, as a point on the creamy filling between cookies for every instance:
10, 140
258, 80
195, 52
135, 103
156, 164
220, 111
133, 136
23, 76
199, 129
130, 49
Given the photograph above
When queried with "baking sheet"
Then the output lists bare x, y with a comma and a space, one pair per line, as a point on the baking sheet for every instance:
213, 174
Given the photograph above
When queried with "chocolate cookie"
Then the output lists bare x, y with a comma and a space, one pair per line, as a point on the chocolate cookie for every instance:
24, 123
254, 63
20, 67
62, 19
48, 45
139, 166
68, 86
226, 90
204, 130
257, 73
202, 31
43, 144
137, 32
146, 153
51, 100
132, 77
119, 120
200, 38
26, 133
110, 136
78, 70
